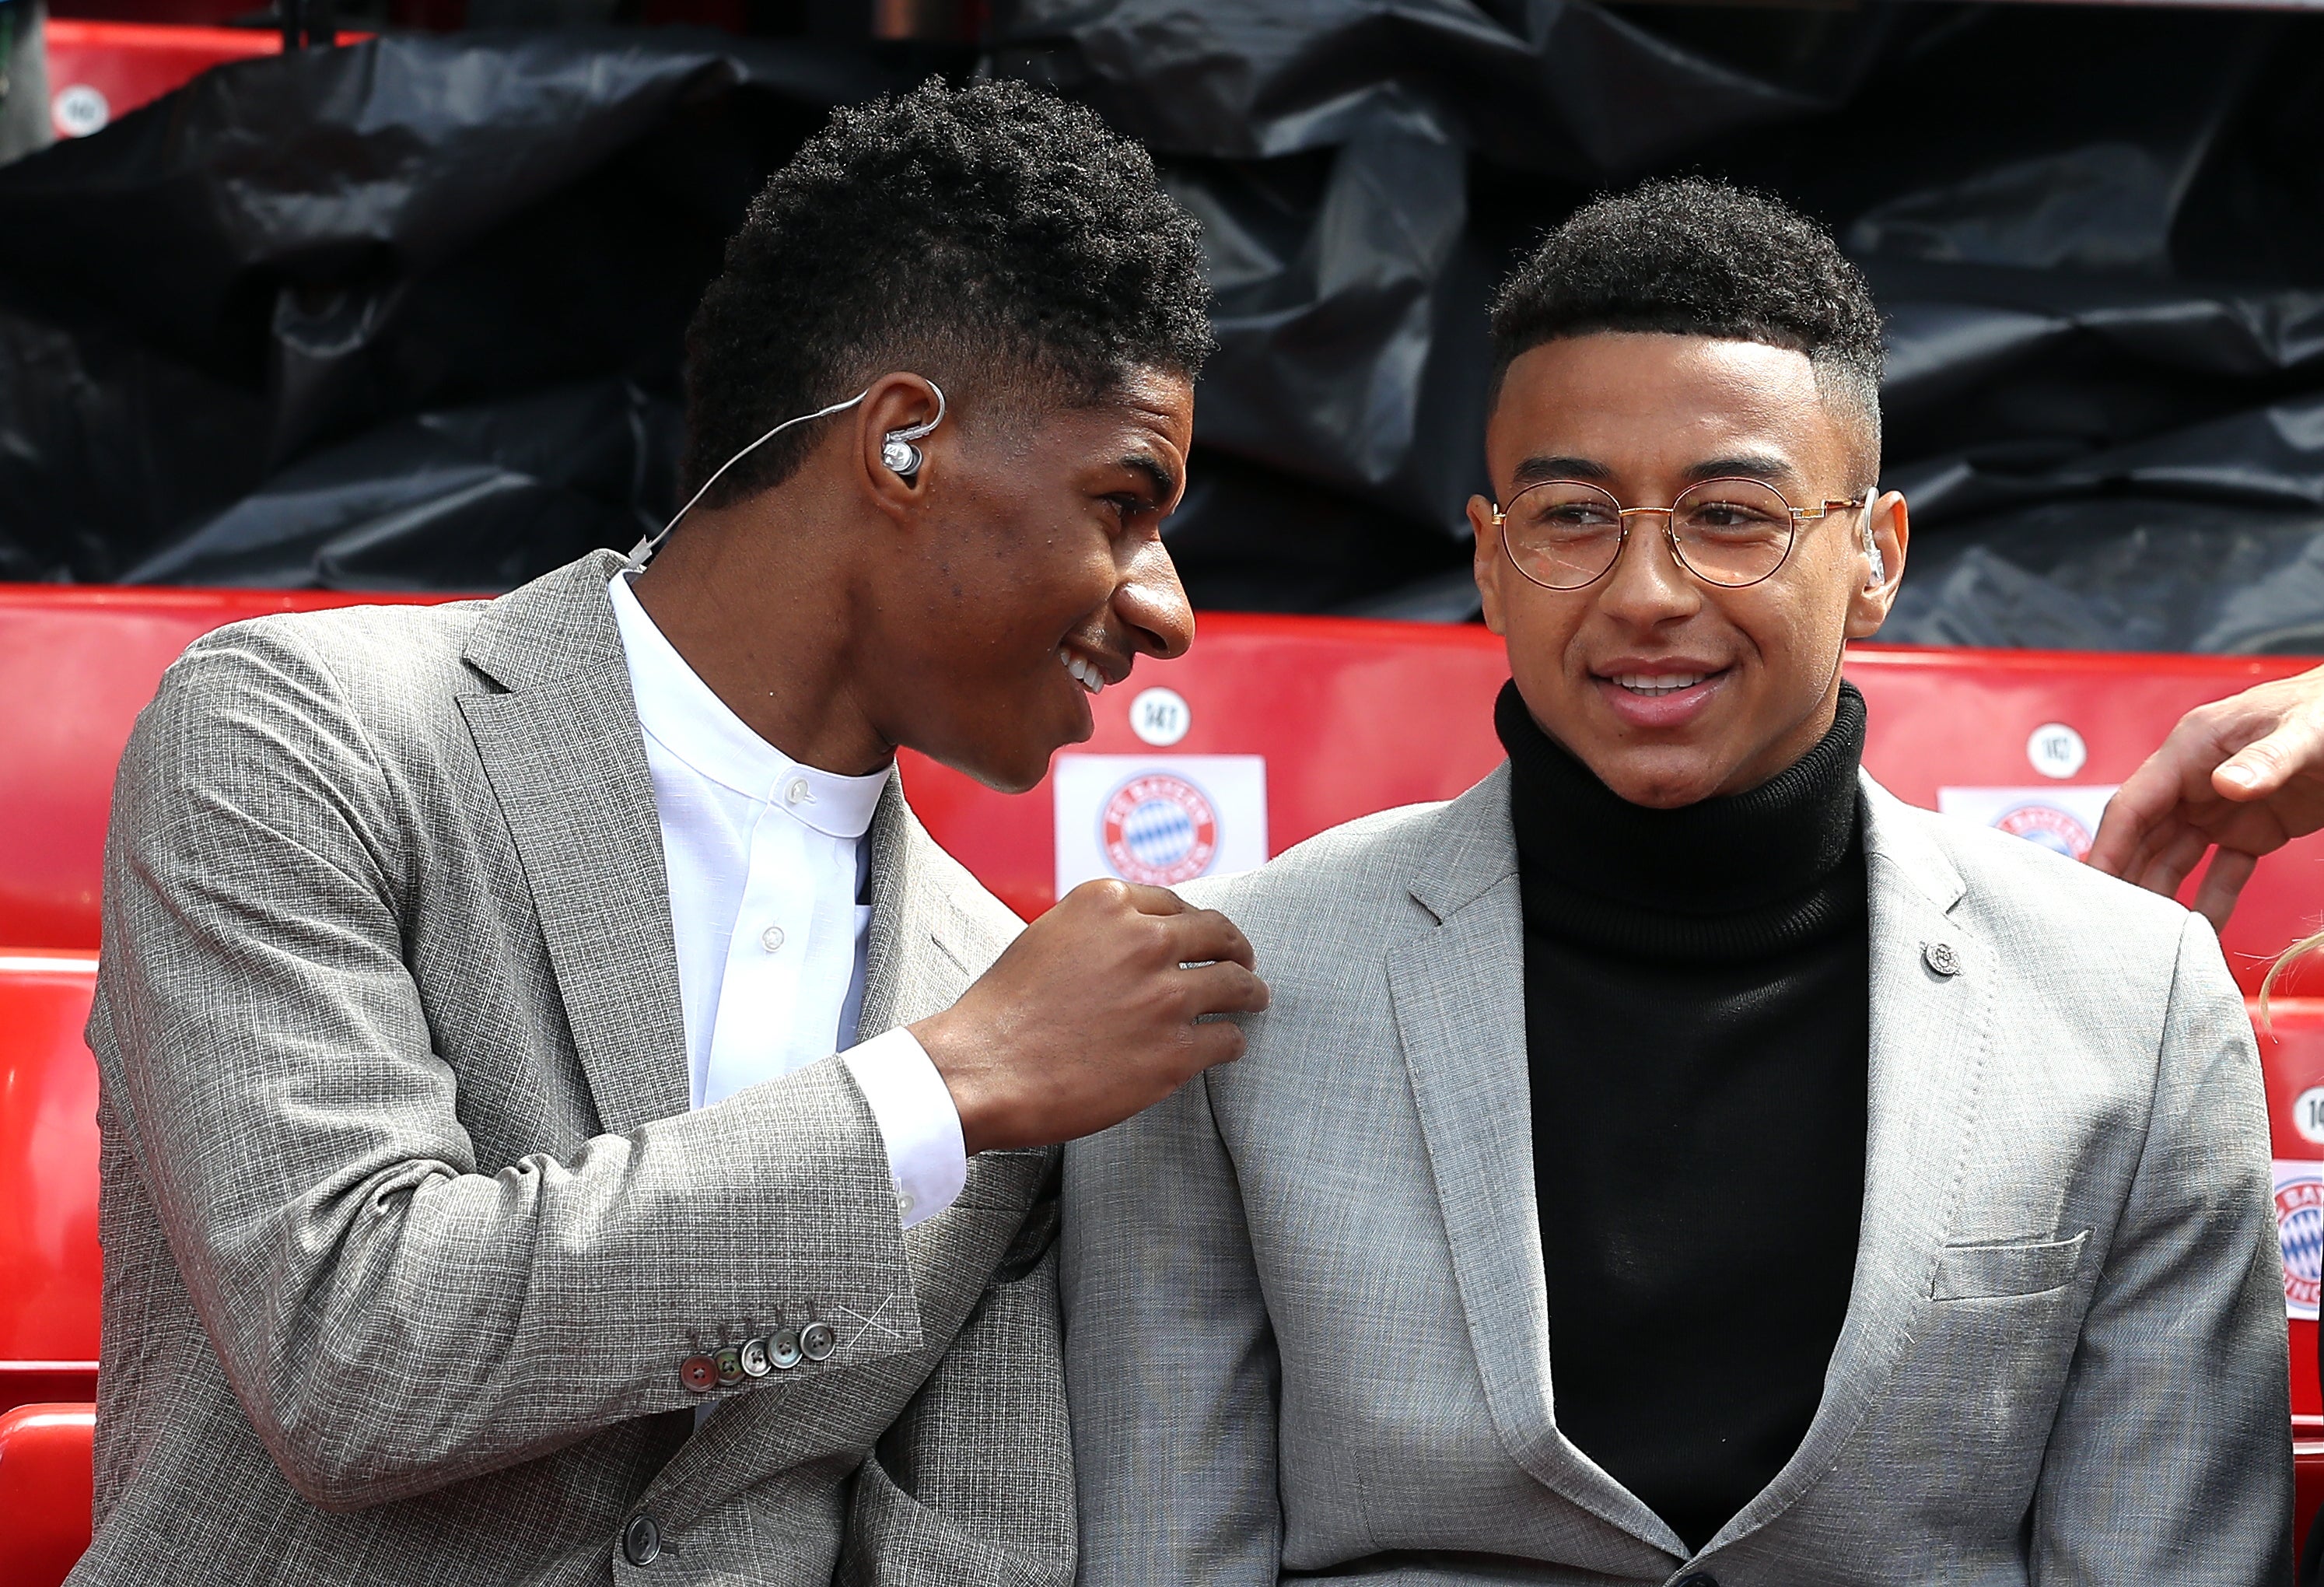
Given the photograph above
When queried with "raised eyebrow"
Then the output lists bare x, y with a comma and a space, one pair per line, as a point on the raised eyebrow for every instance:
1533, 470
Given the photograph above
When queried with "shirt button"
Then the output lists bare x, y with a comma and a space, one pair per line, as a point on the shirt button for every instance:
771, 939
642, 1540
904, 1204
816, 1342
699, 1373
797, 792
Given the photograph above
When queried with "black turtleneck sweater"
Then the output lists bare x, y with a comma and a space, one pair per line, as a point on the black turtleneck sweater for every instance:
1697, 1017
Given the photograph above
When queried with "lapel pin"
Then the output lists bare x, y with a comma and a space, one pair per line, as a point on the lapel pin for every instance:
1939, 957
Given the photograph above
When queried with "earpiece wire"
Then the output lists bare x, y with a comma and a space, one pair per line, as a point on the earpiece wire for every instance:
646, 547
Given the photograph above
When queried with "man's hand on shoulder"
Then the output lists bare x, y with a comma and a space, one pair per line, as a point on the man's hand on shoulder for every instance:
2245, 773
1090, 1015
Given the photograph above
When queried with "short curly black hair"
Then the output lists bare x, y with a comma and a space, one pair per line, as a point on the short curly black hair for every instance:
1694, 256
992, 231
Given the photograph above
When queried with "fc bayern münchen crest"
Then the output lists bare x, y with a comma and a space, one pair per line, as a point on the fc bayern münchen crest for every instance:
2300, 1229
1158, 829
2050, 827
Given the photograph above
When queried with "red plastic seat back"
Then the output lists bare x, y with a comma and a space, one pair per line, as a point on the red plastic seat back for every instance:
100, 71
1968, 718
48, 1305
45, 1492
1349, 717
2291, 1052
77, 664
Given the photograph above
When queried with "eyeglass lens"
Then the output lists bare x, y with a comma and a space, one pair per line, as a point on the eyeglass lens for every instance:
1566, 533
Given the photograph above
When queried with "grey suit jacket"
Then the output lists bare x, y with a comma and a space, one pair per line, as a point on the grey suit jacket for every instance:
407, 1225
1307, 1330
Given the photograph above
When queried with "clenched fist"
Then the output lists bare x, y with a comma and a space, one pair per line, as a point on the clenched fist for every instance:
1090, 1015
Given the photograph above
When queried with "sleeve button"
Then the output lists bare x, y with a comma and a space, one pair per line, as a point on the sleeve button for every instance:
755, 1363
729, 1363
699, 1373
783, 1348
816, 1342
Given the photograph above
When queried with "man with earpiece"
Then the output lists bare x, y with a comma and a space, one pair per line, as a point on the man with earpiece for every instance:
565, 1121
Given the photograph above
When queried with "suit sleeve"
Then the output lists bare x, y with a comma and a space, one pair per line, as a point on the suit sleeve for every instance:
2170, 1459
1171, 1369
972, 1485
393, 1316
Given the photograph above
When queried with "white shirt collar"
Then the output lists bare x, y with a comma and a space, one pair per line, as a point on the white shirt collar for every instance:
693, 723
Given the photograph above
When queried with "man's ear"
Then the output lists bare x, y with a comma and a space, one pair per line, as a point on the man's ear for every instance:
895, 404
1487, 563
1888, 530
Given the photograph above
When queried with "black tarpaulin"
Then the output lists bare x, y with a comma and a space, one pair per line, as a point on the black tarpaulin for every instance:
267, 330
348, 317
2096, 235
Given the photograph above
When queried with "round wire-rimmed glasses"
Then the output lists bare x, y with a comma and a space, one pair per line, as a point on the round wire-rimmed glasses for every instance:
1567, 534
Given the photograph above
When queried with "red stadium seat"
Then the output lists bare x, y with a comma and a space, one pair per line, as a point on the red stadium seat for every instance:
2291, 1053
77, 663
1351, 716
99, 72
48, 1179
45, 1492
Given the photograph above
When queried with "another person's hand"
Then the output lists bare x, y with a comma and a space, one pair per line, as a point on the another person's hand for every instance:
2245, 773
1090, 1015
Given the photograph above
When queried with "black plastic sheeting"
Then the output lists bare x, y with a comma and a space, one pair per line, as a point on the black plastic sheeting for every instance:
407, 314
2097, 236
404, 315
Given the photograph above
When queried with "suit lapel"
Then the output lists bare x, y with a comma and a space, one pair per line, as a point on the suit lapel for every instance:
1930, 1037
1458, 993
561, 746
914, 964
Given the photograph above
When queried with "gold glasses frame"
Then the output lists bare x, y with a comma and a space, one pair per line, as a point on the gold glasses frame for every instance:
1800, 515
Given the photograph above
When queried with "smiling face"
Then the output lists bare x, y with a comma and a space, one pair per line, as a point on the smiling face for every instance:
1043, 584
1669, 688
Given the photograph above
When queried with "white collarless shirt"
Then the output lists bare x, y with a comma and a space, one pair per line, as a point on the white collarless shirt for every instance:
766, 860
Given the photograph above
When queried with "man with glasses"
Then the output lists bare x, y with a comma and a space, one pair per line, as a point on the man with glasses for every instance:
1675, 1160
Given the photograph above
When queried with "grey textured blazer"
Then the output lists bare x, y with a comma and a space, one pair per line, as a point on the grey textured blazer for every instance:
407, 1227
1307, 1331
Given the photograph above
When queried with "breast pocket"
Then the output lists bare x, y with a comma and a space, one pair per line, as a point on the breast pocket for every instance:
1990, 1272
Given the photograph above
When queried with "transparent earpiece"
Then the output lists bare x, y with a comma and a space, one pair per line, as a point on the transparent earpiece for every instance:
901, 457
